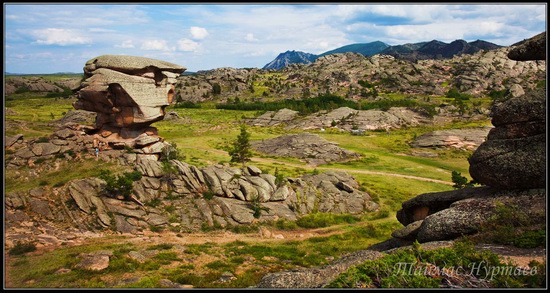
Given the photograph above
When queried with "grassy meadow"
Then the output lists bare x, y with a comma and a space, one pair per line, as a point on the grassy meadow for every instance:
202, 137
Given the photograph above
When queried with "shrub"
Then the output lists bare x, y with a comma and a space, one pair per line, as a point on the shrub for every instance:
187, 104
418, 268
155, 228
120, 185
319, 220
22, 248
284, 224
531, 239
279, 177
208, 194
42, 139
461, 181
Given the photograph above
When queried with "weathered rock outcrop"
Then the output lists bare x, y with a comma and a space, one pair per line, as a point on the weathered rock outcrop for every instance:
511, 162
128, 94
70, 142
273, 118
37, 84
531, 49
345, 74
451, 214
78, 116
186, 200
468, 139
317, 277
514, 155
347, 119
311, 147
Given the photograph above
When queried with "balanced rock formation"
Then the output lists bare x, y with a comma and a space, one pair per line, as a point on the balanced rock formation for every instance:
310, 147
128, 94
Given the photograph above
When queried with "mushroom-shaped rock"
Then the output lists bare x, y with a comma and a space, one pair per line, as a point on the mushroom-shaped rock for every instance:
127, 92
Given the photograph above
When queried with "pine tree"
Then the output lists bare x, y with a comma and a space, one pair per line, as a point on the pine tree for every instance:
241, 151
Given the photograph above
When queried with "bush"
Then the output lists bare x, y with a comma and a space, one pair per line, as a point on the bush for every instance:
208, 194
187, 104
120, 185
319, 220
304, 106
279, 177
170, 152
531, 239
284, 224
461, 181
418, 268
511, 226
22, 248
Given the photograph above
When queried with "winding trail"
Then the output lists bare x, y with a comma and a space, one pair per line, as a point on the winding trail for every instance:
306, 166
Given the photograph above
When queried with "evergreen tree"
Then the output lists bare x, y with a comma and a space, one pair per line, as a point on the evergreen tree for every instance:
241, 151
216, 89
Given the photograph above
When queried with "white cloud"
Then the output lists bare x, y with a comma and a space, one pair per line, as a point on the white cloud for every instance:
198, 33
250, 37
187, 45
126, 44
100, 30
156, 45
62, 37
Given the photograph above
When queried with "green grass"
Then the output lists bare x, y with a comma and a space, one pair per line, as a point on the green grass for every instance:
417, 268
34, 113
202, 141
14, 181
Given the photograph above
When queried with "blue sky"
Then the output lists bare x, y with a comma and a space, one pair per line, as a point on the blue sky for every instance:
48, 38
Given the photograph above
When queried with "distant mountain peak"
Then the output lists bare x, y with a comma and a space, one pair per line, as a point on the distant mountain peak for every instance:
290, 57
366, 49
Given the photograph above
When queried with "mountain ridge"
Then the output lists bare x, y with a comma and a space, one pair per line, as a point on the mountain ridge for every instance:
433, 49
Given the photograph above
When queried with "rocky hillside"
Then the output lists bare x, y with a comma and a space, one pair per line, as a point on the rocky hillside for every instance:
412, 52
180, 198
39, 84
357, 77
511, 205
358, 121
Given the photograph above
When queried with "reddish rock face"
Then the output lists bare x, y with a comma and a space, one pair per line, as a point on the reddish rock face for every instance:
128, 94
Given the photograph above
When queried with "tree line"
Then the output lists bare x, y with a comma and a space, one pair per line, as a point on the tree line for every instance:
323, 102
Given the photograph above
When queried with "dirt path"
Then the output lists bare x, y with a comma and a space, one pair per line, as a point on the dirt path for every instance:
306, 166
222, 237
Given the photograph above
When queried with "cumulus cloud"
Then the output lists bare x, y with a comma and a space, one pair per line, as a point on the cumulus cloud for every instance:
126, 44
156, 45
61, 37
187, 45
250, 37
100, 30
198, 33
